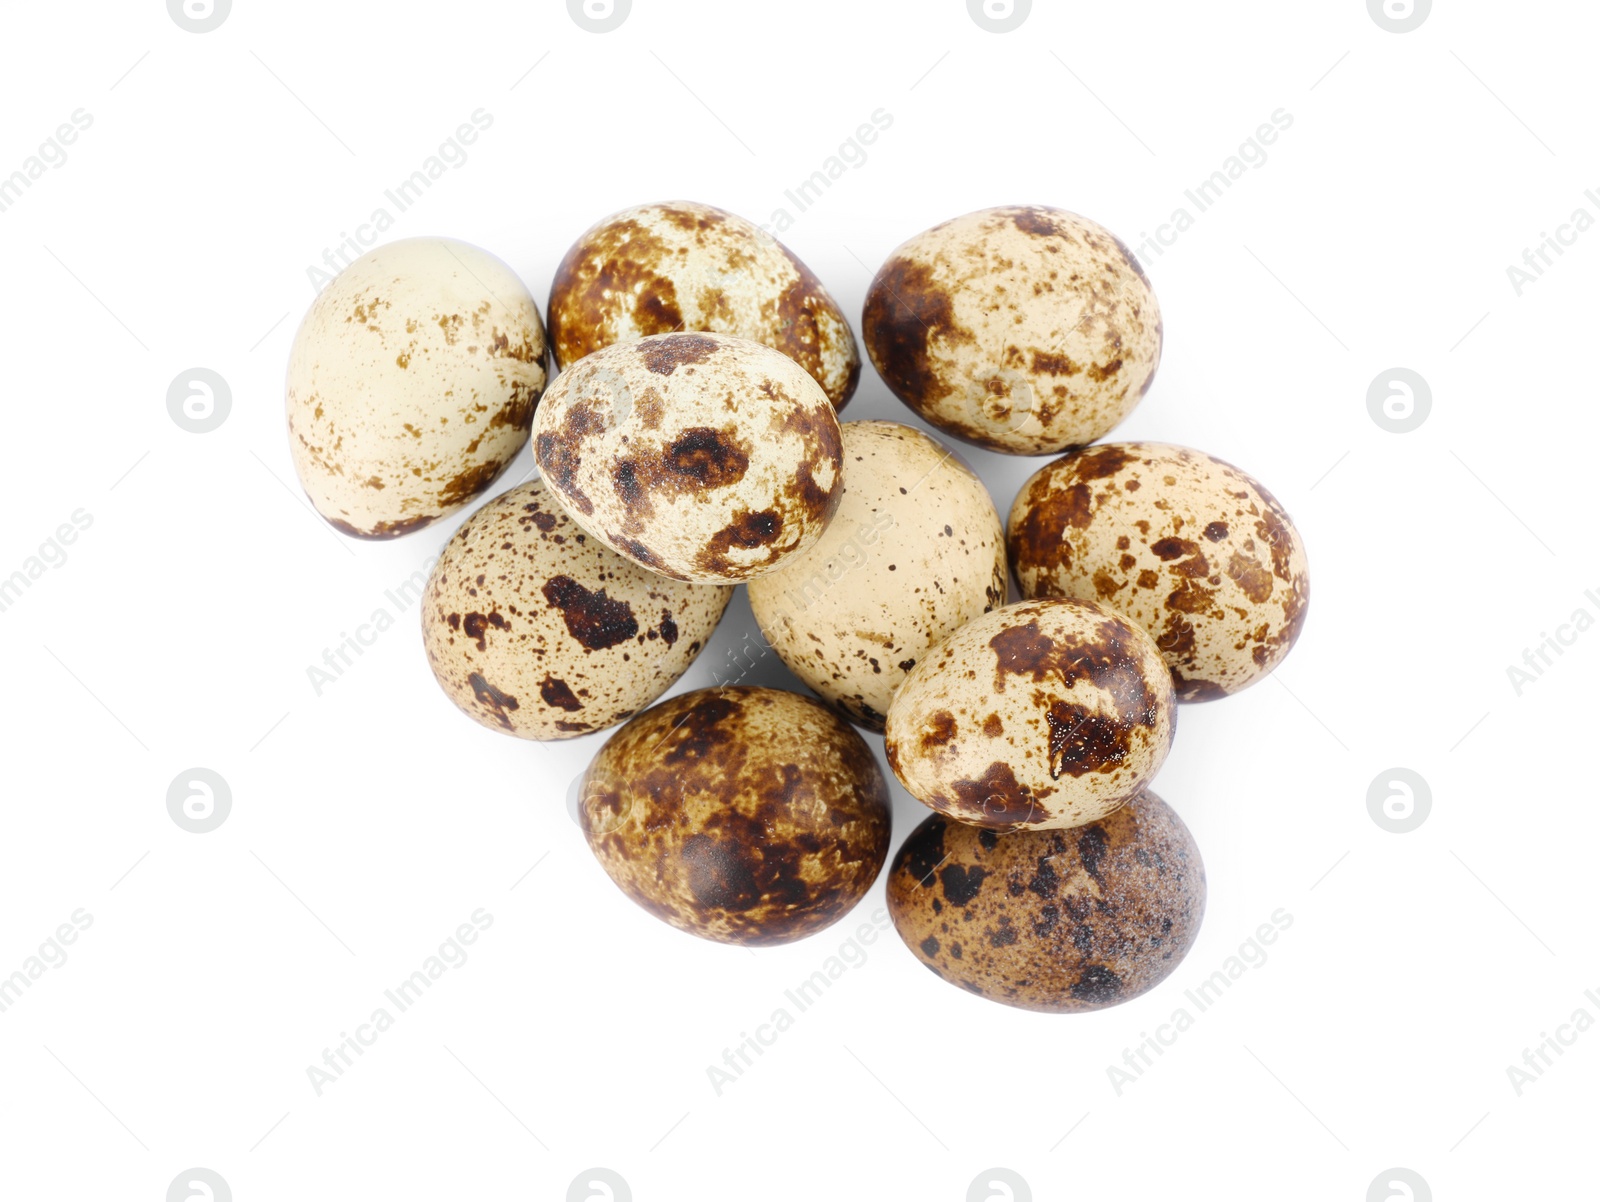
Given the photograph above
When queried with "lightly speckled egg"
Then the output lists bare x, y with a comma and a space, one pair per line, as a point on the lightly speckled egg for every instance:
1023, 329
1059, 921
535, 629
660, 268
1045, 714
914, 552
741, 815
1191, 548
412, 385
699, 456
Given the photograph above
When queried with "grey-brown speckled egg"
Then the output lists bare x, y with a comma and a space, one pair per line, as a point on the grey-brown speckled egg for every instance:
1045, 714
412, 385
535, 629
742, 815
914, 553
1023, 329
700, 456
1059, 921
1191, 548
660, 268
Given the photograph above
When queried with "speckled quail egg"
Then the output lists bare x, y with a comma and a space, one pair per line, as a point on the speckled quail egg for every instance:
1023, 329
534, 628
742, 815
412, 385
1046, 714
1059, 921
914, 553
700, 456
660, 268
1191, 548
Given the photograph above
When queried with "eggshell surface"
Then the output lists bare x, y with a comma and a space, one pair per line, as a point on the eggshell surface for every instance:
412, 385
1046, 714
1193, 549
698, 456
914, 552
535, 629
661, 268
1023, 329
1058, 921
741, 815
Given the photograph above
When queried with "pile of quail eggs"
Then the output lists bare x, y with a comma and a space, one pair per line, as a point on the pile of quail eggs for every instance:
692, 443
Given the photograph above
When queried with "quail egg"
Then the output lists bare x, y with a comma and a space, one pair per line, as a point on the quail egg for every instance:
535, 629
660, 268
1051, 920
741, 815
699, 456
1045, 714
914, 552
1023, 329
412, 385
1191, 548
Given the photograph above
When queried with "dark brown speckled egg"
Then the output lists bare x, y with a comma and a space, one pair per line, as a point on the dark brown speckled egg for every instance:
660, 268
1046, 714
1191, 548
699, 456
1023, 329
535, 629
1052, 920
741, 815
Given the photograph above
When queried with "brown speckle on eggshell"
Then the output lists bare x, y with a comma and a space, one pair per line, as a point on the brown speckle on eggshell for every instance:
1046, 714
1193, 549
1053, 920
914, 552
1024, 329
699, 456
535, 629
412, 385
741, 815
661, 268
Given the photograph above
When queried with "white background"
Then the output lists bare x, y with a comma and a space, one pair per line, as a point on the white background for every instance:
370, 821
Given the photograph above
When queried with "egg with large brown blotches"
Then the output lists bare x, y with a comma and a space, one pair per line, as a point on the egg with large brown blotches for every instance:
662, 268
914, 553
1051, 920
1042, 715
699, 456
535, 629
1023, 329
412, 385
741, 815
1194, 550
